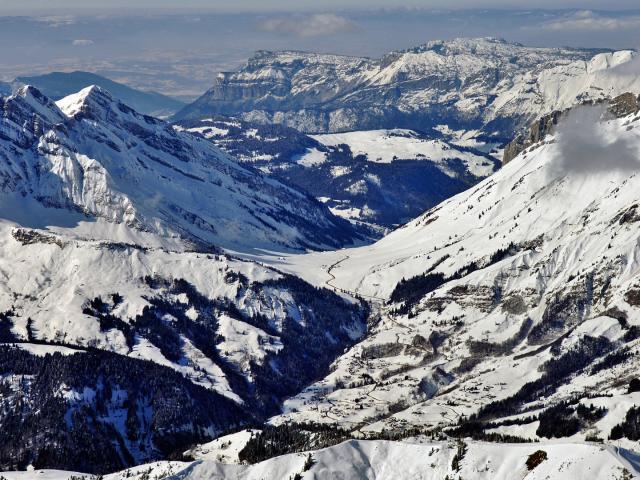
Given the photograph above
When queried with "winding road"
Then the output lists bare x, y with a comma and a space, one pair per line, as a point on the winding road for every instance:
344, 290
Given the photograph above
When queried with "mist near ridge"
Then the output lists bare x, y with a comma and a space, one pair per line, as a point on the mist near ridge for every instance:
584, 147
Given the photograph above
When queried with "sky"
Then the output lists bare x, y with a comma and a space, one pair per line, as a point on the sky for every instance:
74, 6
178, 47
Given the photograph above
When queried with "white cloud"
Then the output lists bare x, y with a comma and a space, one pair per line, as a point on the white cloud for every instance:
57, 20
82, 42
583, 146
589, 20
321, 24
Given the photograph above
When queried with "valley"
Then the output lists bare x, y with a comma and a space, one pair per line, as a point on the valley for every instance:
273, 286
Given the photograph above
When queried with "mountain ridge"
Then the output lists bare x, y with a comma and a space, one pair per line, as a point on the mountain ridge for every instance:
441, 82
58, 85
102, 158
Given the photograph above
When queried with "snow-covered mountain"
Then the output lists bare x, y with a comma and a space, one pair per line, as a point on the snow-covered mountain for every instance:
507, 313
94, 155
378, 178
419, 460
98, 324
57, 85
468, 84
510, 310
126, 334
434, 461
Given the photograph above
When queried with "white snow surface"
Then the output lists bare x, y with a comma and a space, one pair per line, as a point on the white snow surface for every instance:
95, 156
575, 231
223, 449
386, 146
360, 459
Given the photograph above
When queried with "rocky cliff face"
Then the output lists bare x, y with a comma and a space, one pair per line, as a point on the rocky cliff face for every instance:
620, 106
95, 155
536, 132
484, 84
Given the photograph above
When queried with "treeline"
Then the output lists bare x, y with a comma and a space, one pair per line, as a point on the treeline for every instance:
290, 438
325, 327
310, 343
80, 430
278, 141
555, 373
411, 291
629, 428
564, 420
120, 411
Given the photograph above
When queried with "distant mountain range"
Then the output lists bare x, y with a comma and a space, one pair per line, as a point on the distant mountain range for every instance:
417, 126
57, 85
485, 85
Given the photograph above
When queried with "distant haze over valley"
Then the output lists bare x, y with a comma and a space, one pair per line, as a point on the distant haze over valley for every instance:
179, 54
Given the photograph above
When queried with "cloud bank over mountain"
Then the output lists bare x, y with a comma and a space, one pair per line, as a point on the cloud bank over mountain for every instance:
585, 148
309, 26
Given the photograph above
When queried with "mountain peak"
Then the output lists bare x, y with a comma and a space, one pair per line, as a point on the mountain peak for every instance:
29, 91
29, 100
57, 85
97, 103
106, 160
25, 116
86, 99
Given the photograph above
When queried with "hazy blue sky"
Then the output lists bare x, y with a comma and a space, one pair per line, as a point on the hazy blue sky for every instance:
178, 50
29, 6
